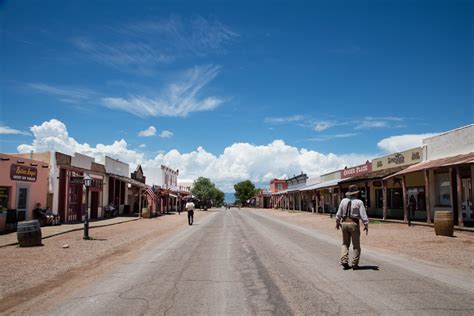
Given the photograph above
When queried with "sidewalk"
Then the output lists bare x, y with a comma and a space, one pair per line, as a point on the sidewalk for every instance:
395, 221
50, 231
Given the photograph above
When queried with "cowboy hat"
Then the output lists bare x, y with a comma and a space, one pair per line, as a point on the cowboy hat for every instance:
353, 190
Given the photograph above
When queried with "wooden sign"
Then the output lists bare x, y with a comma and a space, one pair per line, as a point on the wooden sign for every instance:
23, 173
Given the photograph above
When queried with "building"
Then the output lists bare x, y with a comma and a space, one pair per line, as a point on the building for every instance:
23, 183
445, 177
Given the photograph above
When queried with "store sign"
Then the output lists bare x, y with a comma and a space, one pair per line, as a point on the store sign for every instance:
404, 158
76, 180
23, 173
356, 171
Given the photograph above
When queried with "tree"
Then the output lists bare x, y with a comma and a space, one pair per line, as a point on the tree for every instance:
244, 191
207, 193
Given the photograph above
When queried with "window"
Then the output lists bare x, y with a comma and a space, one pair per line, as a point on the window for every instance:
280, 186
22, 198
395, 198
442, 189
378, 198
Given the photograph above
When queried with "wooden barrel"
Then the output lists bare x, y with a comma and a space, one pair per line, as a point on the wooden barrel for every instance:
29, 233
443, 223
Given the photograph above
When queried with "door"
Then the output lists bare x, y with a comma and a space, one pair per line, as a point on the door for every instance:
94, 204
22, 203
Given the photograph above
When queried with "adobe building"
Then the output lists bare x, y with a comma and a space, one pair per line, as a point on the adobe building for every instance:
23, 183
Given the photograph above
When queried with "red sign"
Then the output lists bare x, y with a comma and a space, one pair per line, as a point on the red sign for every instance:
23, 173
356, 171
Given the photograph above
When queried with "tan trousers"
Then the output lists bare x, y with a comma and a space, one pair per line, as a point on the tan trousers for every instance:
350, 230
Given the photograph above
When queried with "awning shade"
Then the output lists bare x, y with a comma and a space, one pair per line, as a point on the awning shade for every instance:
129, 180
437, 163
321, 185
379, 174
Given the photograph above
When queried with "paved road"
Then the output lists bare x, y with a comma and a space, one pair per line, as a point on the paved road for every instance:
243, 262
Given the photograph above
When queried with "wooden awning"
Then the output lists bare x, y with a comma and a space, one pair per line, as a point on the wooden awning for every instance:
437, 163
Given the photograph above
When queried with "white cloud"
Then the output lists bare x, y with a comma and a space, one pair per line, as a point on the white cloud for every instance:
66, 94
142, 146
6, 130
53, 136
166, 134
239, 161
323, 125
323, 138
177, 100
150, 131
399, 143
380, 122
284, 120
139, 47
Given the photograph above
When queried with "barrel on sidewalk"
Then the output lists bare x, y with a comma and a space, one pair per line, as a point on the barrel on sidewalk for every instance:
443, 223
29, 233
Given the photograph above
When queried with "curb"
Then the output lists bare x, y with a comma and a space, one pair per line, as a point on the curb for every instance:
75, 229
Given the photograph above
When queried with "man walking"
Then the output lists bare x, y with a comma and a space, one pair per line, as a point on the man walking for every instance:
350, 212
190, 208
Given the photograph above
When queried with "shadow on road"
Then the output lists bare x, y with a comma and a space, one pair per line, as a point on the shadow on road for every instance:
376, 268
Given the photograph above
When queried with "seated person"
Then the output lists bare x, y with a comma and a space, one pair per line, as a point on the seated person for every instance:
50, 218
38, 212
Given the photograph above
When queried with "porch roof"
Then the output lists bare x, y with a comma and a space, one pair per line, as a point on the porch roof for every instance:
379, 174
437, 163
128, 180
322, 185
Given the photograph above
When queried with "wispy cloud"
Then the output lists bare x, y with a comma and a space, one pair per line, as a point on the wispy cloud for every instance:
284, 120
6, 130
323, 125
142, 146
323, 138
141, 46
65, 94
150, 131
178, 99
166, 134
380, 122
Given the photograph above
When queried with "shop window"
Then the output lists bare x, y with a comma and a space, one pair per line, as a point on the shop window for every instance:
4, 198
22, 198
378, 198
395, 198
442, 189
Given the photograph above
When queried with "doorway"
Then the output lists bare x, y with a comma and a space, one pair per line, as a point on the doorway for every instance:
22, 193
94, 205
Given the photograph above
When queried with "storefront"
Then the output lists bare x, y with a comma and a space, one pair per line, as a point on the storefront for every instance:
446, 184
71, 196
23, 184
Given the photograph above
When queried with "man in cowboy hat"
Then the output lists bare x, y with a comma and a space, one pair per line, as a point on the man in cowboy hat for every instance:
351, 211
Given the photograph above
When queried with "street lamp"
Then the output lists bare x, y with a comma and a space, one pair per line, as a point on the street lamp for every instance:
87, 183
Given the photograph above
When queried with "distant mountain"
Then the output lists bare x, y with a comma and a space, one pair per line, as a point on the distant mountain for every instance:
229, 197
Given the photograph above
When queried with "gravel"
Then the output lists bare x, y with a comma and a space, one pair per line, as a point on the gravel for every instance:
26, 268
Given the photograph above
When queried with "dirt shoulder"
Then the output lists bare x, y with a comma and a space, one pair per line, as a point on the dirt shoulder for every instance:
26, 273
419, 242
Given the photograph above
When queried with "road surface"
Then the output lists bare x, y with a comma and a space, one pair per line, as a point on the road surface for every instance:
242, 262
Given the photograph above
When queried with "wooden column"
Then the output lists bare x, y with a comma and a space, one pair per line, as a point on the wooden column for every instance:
384, 199
459, 199
366, 188
139, 202
317, 204
405, 202
322, 203
451, 197
427, 196
300, 204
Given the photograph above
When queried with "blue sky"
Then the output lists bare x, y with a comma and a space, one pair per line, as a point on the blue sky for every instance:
327, 77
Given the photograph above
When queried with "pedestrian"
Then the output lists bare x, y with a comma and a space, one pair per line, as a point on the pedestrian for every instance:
190, 209
351, 211
411, 209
